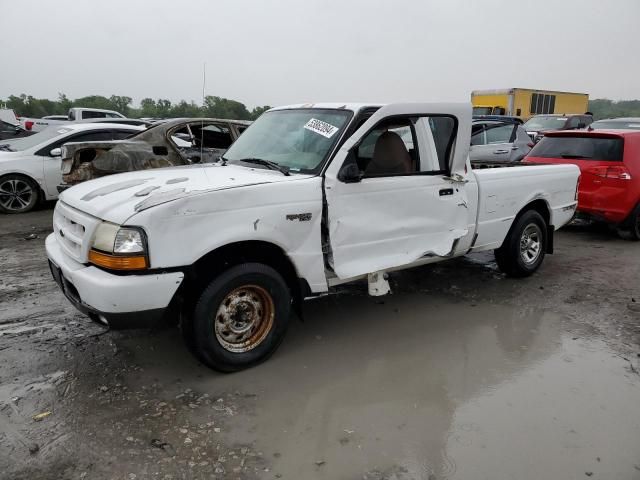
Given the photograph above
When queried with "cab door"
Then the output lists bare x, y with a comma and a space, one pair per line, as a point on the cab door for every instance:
493, 142
395, 191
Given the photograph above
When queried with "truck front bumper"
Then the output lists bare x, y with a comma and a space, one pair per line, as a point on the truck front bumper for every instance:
121, 301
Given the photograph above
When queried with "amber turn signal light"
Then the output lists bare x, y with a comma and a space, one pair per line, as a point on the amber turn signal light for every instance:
118, 262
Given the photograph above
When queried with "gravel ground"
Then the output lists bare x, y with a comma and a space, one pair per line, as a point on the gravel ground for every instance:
460, 373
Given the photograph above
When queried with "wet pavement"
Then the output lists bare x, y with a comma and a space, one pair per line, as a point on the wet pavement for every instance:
460, 374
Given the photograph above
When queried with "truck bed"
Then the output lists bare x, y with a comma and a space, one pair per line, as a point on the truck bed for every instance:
503, 192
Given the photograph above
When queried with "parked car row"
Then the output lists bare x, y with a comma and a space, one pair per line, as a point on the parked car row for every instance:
30, 167
76, 114
38, 167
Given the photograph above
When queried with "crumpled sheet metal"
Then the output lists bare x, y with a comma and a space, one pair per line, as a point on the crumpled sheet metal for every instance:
148, 150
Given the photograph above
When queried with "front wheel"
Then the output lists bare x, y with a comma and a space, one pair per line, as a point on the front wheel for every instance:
241, 317
523, 250
18, 194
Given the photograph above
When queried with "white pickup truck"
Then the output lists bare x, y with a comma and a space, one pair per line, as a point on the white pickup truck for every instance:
76, 114
309, 197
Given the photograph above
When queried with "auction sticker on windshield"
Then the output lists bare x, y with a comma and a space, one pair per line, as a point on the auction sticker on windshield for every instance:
321, 128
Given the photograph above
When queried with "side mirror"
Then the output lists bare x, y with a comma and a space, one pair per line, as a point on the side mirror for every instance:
56, 152
350, 173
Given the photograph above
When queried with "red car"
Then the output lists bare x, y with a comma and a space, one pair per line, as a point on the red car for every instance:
609, 161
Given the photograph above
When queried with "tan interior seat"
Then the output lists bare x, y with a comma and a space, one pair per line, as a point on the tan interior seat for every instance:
389, 156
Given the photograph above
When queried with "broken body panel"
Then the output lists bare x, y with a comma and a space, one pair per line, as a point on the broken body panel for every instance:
172, 143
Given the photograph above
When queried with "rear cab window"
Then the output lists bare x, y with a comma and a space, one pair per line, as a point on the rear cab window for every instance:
580, 148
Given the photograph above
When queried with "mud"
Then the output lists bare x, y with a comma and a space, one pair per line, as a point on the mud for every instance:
460, 373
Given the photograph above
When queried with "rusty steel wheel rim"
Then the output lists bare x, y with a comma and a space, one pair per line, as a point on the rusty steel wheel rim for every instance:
244, 318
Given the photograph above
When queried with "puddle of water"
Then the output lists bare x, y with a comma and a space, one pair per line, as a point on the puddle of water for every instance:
419, 386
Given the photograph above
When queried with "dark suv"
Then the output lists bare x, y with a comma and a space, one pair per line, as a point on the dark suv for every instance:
537, 125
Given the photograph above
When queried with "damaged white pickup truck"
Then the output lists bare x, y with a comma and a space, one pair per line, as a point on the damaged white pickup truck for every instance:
309, 197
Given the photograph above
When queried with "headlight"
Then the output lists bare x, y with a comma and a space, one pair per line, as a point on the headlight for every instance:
119, 248
105, 237
129, 240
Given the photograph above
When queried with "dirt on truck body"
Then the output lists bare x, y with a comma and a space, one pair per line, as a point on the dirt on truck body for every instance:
172, 143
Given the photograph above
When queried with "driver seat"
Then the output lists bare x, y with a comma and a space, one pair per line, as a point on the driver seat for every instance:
390, 156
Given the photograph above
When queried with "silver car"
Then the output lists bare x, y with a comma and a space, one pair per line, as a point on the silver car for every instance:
625, 123
498, 141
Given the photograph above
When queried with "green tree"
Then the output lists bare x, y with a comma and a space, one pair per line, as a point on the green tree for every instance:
163, 108
148, 108
257, 111
186, 110
18, 104
93, 101
64, 104
604, 108
218, 107
120, 104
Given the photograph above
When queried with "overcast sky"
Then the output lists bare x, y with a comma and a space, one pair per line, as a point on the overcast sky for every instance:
287, 51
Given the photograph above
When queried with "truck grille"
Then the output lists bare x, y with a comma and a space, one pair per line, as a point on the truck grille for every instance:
74, 231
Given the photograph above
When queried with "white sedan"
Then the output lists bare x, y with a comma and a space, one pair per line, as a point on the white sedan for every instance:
30, 167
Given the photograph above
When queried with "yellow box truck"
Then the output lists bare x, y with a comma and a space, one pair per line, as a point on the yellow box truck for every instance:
525, 102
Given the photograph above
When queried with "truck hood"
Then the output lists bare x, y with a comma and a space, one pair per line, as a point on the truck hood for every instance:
115, 198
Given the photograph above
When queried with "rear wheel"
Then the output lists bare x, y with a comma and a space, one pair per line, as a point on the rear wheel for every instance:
18, 194
524, 249
241, 317
631, 227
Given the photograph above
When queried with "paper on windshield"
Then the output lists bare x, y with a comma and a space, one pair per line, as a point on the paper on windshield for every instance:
321, 128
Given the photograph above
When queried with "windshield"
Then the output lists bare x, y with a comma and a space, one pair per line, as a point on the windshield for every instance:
24, 143
617, 124
536, 124
299, 139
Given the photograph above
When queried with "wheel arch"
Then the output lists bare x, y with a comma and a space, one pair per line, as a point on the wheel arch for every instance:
213, 263
541, 206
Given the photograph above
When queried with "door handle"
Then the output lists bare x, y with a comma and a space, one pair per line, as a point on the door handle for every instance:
445, 192
501, 151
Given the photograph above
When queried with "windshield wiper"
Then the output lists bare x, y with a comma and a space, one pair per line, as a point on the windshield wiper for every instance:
575, 157
6, 147
267, 163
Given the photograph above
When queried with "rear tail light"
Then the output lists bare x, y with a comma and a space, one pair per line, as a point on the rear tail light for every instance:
618, 172
28, 125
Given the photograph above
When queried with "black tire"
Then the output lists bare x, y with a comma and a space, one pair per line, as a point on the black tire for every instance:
514, 257
253, 294
631, 228
18, 194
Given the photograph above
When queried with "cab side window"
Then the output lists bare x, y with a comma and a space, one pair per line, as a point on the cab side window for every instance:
389, 149
80, 137
499, 134
89, 114
407, 146
492, 133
